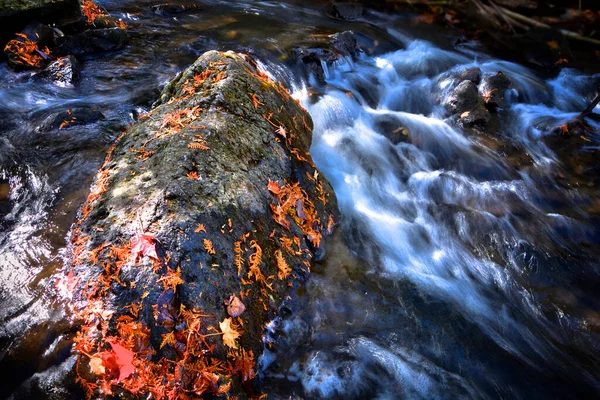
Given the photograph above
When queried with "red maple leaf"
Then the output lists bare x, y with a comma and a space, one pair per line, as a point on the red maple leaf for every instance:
143, 245
123, 359
67, 284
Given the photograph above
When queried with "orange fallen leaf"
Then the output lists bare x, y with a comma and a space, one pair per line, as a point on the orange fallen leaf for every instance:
67, 284
273, 187
200, 228
208, 246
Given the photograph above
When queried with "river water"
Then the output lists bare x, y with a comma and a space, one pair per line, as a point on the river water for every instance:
471, 270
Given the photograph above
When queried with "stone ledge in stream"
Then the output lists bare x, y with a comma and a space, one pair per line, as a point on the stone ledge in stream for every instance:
340, 45
219, 178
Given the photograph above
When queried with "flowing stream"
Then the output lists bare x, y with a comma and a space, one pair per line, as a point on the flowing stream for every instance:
468, 271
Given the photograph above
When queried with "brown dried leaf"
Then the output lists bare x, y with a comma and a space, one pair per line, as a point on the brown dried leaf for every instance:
96, 365
235, 307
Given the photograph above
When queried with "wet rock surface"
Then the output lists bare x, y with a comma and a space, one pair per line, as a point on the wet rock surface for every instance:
219, 179
65, 71
493, 90
392, 128
573, 144
49, 120
465, 102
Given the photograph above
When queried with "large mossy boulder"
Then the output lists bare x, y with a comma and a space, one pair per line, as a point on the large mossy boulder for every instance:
203, 222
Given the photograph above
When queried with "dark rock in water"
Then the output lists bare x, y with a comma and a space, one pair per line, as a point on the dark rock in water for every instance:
311, 60
7, 151
15, 14
65, 71
464, 101
345, 11
220, 179
173, 9
344, 43
63, 119
42, 34
391, 127
493, 90
92, 41
107, 21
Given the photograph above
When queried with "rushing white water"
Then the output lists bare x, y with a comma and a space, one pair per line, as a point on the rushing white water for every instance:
422, 204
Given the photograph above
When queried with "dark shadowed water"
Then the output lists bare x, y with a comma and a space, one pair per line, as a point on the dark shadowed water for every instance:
471, 272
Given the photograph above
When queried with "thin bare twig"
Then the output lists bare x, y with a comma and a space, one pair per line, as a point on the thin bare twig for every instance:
499, 12
590, 107
533, 22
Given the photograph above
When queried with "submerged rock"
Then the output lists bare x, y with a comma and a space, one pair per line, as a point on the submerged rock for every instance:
62, 119
392, 128
345, 11
92, 41
212, 194
464, 101
173, 9
575, 145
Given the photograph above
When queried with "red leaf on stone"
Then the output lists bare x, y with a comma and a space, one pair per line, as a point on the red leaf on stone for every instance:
143, 245
273, 187
124, 360
67, 284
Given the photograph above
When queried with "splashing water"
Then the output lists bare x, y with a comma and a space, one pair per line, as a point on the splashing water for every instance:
450, 221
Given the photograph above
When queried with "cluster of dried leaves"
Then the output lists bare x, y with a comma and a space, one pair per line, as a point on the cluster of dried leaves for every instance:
119, 350
91, 11
26, 52
292, 202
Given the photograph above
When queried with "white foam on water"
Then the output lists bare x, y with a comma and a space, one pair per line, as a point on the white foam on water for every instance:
395, 190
